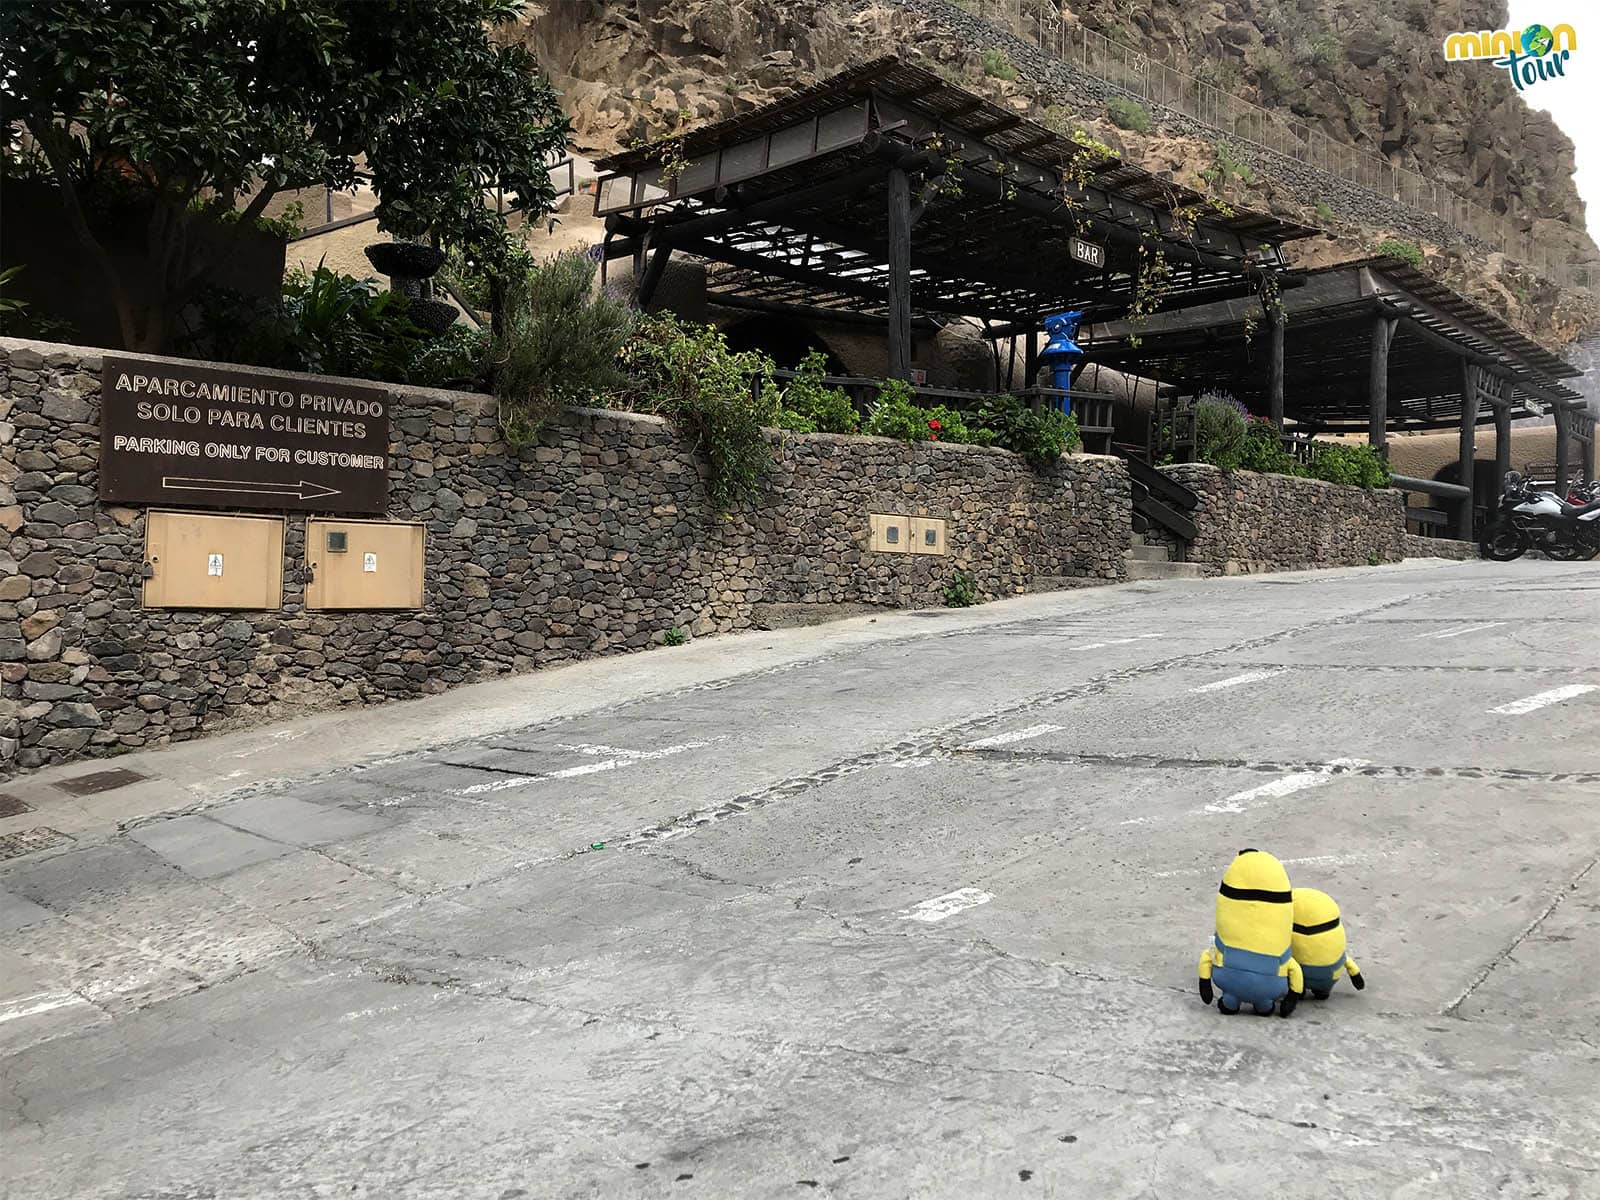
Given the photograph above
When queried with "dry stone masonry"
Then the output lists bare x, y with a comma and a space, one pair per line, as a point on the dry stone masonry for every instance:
598, 540
1250, 522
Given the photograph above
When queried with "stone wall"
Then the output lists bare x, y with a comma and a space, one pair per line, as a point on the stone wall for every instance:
1250, 522
598, 540
1427, 547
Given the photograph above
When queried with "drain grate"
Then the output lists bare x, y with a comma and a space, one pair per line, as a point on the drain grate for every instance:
10, 806
30, 841
100, 781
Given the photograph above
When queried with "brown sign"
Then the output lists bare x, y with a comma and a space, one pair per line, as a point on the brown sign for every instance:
171, 433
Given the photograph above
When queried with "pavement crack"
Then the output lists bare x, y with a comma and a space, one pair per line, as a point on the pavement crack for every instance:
1453, 1009
1266, 766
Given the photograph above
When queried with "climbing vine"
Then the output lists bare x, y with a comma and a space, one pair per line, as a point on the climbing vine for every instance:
670, 147
1150, 285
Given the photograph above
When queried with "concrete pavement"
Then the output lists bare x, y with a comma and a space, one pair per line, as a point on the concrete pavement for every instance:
905, 906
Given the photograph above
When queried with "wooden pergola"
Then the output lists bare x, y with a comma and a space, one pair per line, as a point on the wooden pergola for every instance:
1372, 345
886, 191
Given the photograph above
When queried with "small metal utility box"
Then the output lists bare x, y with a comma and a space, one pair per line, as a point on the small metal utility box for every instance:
364, 564
198, 560
927, 535
890, 534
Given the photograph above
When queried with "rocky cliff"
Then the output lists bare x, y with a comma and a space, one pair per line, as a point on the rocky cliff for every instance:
1368, 76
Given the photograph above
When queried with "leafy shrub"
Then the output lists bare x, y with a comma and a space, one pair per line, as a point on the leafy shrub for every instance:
811, 406
674, 637
1220, 434
327, 323
1263, 450
947, 425
1325, 214
10, 304
558, 344
961, 591
1232, 166
895, 414
687, 372
1040, 437
1327, 50
1129, 114
1355, 466
1404, 250
996, 64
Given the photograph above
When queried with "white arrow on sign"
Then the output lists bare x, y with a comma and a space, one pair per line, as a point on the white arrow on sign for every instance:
304, 490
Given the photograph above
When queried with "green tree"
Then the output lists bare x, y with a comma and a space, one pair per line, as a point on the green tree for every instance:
181, 108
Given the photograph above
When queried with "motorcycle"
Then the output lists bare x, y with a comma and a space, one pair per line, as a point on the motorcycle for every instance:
1532, 519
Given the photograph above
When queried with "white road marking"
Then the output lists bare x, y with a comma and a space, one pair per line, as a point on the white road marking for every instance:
593, 768
1238, 680
1274, 790
1016, 735
1443, 634
283, 735
1277, 789
947, 905
1544, 699
1116, 642
42, 1002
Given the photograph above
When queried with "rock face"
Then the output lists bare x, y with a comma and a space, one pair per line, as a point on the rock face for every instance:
1249, 522
1371, 78
598, 540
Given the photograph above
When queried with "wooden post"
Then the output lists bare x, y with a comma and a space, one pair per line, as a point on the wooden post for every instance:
1502, 436
1275, 372
654, 268
899, 274
1469, 426
1563, 449
1030, 359
1378, 383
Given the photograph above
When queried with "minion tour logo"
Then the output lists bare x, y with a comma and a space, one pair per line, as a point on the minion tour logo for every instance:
1530, 55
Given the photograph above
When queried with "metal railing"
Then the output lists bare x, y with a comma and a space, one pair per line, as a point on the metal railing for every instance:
1043, 24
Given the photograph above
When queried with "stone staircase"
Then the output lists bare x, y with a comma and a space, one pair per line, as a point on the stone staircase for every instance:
1147, 561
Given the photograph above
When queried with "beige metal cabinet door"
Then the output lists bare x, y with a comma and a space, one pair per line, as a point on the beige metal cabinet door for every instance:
364, 564
201, 560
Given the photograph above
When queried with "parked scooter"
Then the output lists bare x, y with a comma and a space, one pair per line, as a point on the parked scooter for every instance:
1533, 519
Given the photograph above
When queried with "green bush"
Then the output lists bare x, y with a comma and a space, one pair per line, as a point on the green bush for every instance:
1325, 214
1263, 450
947, 425
996, 64
687, 372
558, 344
1129, 114
326, 323
1040, 437
1405, 251
1355, 466
811, 406
1220, 434
961, 591
895, 414
1327, 50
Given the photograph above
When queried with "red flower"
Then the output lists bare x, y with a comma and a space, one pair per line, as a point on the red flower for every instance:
935, 425
933, 437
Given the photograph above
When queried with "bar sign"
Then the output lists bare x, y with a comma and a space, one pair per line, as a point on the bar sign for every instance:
1087, 252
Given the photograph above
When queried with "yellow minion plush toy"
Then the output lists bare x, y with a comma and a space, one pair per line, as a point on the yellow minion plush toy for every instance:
1319, 945
1250, 959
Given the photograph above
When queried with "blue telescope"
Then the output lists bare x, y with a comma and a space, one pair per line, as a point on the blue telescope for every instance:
1061, 353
